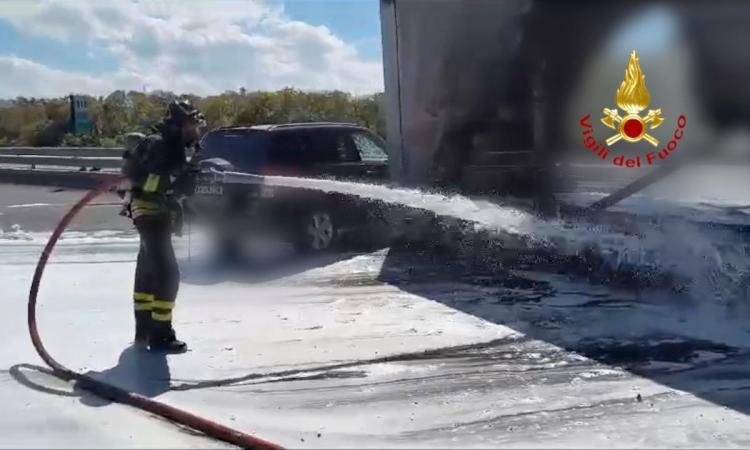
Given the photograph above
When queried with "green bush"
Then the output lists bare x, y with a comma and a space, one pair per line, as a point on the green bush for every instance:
38, 122
109, 142
71, 140
46, 133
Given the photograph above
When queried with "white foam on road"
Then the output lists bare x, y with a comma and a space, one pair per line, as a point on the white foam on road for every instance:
536, 395
713, 262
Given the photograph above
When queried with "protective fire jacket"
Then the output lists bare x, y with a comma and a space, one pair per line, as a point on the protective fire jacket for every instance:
156, 190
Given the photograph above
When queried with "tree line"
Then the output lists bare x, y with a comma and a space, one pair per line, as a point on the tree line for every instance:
46, 122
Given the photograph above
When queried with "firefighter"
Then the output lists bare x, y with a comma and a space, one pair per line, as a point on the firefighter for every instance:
160, 175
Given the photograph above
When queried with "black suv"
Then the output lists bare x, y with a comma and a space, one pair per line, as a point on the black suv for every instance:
311, 220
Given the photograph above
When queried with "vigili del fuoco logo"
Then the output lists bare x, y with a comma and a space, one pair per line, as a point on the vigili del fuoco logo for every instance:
631, 126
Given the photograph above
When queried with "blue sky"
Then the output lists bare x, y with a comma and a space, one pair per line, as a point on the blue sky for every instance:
52, 52
40, 48
356, 21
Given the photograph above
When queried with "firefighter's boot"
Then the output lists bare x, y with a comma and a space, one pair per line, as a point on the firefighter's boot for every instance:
163, 339
142, 328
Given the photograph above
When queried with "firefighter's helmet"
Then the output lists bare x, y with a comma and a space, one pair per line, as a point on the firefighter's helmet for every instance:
179, 111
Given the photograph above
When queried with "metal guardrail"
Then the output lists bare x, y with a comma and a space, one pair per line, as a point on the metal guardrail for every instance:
72, 179
115, 152
62, 161
76, 157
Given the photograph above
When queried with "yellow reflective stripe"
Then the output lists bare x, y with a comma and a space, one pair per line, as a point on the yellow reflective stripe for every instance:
143, 208
142, 202
143, 297
161, 304
161, 317
152, 183
147, 211
142, 301
147, 207
139, 207
136, 214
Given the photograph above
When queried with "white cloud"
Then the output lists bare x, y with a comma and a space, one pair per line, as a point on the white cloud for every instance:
23, 77
187, 46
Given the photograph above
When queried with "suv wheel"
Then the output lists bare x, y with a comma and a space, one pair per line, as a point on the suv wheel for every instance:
318, 232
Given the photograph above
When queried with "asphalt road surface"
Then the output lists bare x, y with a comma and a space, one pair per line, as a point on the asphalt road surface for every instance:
39, 208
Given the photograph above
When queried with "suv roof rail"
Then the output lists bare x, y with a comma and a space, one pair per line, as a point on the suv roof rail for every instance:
313, 124
268, 127
233, 127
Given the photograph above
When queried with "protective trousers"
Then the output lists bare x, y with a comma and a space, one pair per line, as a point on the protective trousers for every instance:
157, 276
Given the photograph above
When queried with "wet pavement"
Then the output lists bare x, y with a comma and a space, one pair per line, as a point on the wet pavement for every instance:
39, 208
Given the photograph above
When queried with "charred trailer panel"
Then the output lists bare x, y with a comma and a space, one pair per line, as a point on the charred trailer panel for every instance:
485, 96
460, 98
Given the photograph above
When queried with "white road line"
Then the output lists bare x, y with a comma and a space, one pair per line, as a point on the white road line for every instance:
35, 205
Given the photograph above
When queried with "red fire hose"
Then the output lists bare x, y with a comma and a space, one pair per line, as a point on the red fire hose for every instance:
208, 427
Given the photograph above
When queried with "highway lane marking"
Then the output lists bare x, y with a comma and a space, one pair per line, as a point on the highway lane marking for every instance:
35, 205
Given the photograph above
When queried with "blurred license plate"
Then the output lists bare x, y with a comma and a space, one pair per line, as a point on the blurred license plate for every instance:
209, 189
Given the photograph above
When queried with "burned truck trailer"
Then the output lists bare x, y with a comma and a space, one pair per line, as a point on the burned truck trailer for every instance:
487, 95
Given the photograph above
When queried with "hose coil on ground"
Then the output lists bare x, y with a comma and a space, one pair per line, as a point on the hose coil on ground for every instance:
111, 392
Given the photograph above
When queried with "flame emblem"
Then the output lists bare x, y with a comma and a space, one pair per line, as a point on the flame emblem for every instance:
632, 97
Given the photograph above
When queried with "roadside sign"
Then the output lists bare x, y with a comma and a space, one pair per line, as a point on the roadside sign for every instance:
80, 119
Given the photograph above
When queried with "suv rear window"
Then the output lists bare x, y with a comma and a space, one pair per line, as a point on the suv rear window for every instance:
245, 149
287, 149
330, 146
